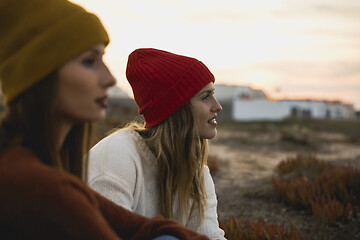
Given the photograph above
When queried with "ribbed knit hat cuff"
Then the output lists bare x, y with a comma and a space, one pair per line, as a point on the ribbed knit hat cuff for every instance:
49, 50
178, 95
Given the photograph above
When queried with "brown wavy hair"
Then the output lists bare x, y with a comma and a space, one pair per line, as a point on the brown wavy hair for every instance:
30, 121
181, 155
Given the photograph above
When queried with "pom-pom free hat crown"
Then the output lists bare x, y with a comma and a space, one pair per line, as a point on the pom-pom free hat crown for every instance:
162, 82
38, 36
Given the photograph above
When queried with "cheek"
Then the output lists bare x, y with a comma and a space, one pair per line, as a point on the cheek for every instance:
197, 119
70, 95
200, 115
77, 87
196, 109
76, 78
75, 96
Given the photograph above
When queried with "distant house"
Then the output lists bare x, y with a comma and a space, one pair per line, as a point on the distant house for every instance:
338, 110
243, 103
255, 110
121, 106
246, 104
320, 109
224, 94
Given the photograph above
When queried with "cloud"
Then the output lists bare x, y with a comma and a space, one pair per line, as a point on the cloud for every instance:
321, 70
338, 10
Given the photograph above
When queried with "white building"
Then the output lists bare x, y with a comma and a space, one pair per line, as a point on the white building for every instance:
321, 109
338, 110
228, 97
243, 103
250, 110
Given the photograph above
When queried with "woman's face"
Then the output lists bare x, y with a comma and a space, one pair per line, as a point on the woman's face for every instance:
82, 87
205, 107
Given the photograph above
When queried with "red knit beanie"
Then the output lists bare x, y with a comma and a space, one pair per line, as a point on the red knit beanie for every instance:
162, 82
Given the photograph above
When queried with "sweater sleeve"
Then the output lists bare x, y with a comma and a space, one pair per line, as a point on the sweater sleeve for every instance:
114, 171
210, 225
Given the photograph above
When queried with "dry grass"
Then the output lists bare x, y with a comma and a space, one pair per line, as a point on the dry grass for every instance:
248, 196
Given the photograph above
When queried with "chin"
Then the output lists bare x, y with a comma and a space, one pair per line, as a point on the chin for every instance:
209, 135
101, 115
97, 117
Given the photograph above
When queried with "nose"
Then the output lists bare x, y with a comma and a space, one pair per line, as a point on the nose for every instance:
108, 79
111, 80
216, 107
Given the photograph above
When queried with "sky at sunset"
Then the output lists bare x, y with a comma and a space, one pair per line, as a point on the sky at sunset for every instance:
290, 49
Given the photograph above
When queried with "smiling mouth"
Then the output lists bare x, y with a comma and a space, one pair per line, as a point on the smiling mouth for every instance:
213, 121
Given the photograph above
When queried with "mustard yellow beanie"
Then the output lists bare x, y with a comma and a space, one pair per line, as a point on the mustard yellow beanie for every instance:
38, 36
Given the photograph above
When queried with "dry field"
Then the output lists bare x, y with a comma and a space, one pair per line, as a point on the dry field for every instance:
247, 154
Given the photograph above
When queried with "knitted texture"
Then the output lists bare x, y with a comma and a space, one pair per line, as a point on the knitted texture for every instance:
162, 82
123, 169
38, 36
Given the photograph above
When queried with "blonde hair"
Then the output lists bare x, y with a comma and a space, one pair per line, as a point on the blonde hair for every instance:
181, 155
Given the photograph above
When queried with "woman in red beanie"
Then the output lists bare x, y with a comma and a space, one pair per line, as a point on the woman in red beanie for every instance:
159, 167
55, 84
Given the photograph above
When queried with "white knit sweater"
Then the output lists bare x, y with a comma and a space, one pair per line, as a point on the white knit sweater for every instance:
123, 169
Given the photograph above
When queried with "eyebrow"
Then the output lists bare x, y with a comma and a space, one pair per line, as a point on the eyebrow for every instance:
96, 51
207, 91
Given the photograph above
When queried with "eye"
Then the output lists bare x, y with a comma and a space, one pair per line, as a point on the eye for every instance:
89, 62
207, 96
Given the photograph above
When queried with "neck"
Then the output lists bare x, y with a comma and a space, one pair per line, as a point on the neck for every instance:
63, 130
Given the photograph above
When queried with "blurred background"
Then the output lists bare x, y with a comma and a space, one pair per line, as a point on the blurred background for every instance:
288, 49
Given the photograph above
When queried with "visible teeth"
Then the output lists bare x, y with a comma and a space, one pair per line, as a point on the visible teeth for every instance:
212, 120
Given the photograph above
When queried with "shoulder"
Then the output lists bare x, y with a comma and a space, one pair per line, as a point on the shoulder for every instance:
118, 139
26, 177
115, 149
119, 154
123, 144
22, 164
19, 163
209, 182
207, 175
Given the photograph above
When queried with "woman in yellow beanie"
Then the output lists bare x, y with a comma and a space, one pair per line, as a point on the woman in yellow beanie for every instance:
55, 84
160, 167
